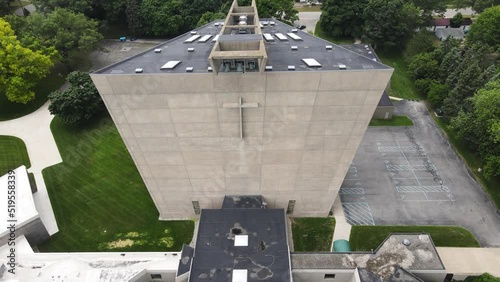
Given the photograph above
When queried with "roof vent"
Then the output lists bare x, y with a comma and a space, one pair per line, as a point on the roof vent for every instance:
375, 59
294, 30
370, 52
158, 50
215, 38
193, 32
329, 47
294, 36
240, 275
291, 68
170, 65
281, 36
192, 38
139, 70
217, 24
342, 67
190, 49
209, 69
265, 22
205, 38
269, 68
311, 62
268, 37
241, 240
366, 46
272, 23
406, 242
189, 69
294, 47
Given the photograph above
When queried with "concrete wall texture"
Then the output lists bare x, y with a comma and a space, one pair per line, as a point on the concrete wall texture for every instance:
297, 145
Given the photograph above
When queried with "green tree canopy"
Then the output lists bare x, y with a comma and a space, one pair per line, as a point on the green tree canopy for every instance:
79, 103
208, 17
390, 23
485, 29
341, 18
478, 5
63, 29
20, 67
479, 128
421, 42
457, 20
430, 6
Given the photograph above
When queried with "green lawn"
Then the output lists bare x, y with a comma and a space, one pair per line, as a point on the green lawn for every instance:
367, 238
401, 84
312, 234
99, 199
394, 121
12, 154
52, 82
472, 160
319, 33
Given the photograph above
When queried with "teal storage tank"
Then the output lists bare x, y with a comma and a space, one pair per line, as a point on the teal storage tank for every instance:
341, 246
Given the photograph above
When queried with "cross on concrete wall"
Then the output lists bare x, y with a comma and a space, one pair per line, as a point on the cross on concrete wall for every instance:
240, 105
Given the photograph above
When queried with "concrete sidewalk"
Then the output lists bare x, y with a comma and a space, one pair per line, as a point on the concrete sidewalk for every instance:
463, 262
342, 228
34, 130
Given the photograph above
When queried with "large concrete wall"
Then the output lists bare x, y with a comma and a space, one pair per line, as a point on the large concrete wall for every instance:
297, 144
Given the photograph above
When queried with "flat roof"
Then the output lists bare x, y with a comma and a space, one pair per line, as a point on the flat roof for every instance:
421, 254
279, 53
266, 258
25, 210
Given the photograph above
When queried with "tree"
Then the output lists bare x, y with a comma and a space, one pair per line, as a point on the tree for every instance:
208, 17
342, 18
449, 63
479, 128
485, 28
472, 79
423, 66
132, 12
279, 9
457, 20
437, 93
390, 23
159, 18
430, 6
20, 68
79, 103
68, 32
478, 5
421, 42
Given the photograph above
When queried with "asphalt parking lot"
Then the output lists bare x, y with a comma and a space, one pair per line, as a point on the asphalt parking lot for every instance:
412, 176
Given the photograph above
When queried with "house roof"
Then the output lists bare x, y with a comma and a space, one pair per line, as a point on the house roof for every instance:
447, 21
443, 33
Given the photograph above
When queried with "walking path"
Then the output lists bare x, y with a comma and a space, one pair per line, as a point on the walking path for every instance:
342, 228
470, 261
34, 130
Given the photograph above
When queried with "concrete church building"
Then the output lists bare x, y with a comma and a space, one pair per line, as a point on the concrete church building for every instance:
243, 107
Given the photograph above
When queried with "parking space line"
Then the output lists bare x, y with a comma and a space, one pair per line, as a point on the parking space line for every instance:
347, 191
427, 189
358, 213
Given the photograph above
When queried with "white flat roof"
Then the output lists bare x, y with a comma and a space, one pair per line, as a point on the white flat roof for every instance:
311, 62
281, 36
241, 240
240, 275
170, 65
25, 210
192, 38
205, 38
294, 36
